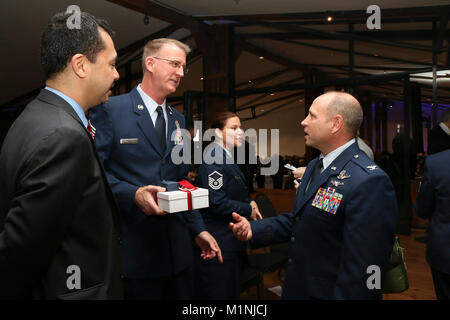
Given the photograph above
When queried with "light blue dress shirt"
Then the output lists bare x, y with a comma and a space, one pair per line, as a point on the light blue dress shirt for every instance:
76, 107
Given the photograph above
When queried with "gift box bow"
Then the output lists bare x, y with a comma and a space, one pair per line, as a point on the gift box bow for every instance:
187, 187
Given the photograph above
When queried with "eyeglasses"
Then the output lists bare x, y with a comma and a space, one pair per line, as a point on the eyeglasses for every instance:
175, 64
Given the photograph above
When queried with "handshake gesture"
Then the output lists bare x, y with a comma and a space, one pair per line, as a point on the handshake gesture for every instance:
241, 228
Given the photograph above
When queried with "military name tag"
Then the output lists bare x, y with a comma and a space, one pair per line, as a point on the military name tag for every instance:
327, 200
129, 141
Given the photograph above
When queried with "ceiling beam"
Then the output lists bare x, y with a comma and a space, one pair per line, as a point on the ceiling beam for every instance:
265, 95
159, 12
374, 56
409, 35
341, 36
426, 11
296, 94
271, 55
264, 78
344, 82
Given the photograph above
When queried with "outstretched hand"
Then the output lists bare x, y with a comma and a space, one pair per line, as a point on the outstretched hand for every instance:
256, 214
241, 228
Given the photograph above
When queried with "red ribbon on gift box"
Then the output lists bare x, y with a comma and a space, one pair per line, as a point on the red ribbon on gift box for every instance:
186, 186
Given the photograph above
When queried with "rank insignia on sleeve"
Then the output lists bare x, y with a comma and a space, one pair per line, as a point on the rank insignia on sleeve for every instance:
215, 180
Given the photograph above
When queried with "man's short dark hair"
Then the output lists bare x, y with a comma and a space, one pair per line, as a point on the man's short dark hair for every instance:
59, 43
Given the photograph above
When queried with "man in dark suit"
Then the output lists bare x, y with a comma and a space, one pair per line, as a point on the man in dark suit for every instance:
343, 222
136, 134
59, 225
439, 137
433, 202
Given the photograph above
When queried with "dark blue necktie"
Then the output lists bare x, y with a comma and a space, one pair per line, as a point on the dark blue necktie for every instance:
160, 127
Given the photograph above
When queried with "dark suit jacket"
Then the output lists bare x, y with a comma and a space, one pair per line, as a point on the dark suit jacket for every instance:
56, 209
330, 253
153, 246
227, 196
433, 201
438, 140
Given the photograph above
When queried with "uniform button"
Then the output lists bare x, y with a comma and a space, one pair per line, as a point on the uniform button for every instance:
292, 239
297, 219
289, 260
122, 276
163, 161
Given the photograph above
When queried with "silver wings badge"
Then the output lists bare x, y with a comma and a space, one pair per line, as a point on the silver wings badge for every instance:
343, 175
337, 183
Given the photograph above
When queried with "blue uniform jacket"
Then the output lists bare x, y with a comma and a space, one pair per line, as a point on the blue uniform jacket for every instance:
330, 253
433, 201
228, 193
153, 246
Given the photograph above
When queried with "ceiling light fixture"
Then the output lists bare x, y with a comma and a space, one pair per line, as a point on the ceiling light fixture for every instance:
329, 19
261, 58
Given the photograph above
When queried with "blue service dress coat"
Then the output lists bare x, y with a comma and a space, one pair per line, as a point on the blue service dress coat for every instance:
228, 193
128, 147
332, 246
433, 201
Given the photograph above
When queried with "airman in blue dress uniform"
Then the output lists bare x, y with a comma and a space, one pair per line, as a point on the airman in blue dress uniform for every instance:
228, 193
344, 217
134, 143
433, 202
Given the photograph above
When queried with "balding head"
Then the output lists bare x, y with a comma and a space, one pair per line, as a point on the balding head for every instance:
333, 119
344, 104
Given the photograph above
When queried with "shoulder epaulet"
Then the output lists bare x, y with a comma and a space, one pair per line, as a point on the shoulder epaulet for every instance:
365, 163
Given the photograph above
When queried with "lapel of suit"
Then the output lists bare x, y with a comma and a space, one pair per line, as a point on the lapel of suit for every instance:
332, 170
55, 100
52, 98
300, 195
171, 127
144, 121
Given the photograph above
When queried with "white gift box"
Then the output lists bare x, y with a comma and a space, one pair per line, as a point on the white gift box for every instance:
177, 201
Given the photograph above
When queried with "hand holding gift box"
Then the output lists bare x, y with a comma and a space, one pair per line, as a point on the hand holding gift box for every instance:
182, 196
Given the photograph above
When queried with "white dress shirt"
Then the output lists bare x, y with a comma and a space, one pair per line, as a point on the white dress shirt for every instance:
151, 106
